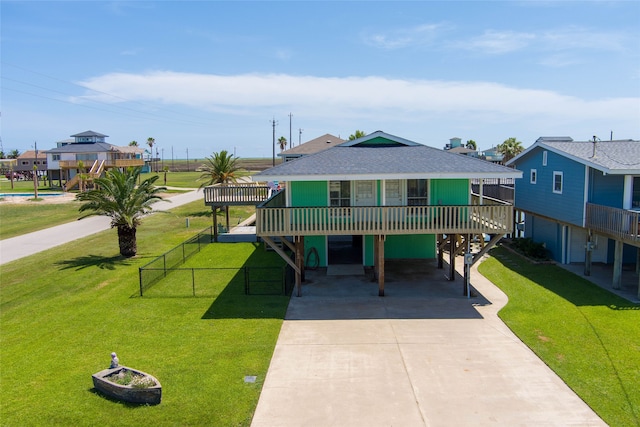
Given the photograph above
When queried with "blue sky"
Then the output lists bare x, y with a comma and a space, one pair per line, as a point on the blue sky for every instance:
206, 76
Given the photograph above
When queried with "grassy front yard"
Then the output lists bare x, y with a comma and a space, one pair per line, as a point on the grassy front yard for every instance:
64, 310
588, 336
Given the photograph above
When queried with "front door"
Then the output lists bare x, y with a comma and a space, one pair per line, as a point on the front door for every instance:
392, 192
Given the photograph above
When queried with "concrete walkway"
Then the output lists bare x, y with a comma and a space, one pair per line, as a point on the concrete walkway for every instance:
423, 355
32, 243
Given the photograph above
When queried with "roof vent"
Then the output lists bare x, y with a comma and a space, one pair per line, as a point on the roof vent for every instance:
328, 141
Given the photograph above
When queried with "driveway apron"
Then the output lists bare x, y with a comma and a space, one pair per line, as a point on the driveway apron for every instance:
423, 355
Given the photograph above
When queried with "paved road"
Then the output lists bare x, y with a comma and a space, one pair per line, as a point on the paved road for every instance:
423, 355
31, 243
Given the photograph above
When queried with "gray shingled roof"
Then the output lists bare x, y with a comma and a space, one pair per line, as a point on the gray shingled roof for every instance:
92, 147
315, 145
400, 162
88, 133
612, 157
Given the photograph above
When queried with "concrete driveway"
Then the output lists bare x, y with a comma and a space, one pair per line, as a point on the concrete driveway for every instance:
28, 244
423, 355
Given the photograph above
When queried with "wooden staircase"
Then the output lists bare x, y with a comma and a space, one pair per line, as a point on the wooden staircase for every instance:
96, 170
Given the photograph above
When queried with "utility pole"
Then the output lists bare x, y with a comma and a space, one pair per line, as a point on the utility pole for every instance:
290, 140
187, 159
172, 166
273, 145
300, 136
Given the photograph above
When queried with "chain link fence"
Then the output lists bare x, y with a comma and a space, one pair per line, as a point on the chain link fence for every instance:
164, 277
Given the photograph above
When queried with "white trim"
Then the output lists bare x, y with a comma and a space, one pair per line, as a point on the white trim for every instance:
627, 199
585, 196
533, 176
553, 182
377, 176
545, 154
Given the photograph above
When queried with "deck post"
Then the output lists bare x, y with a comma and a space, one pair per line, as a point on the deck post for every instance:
379, 243
300, 250
587, 254
617, 265
466, 289
375, 257
299, 254
440, 243
215, 223
453, 245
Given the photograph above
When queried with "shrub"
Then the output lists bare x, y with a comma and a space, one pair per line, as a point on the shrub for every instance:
529, 248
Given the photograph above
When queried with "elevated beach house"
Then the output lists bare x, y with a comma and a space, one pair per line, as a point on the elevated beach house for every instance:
376, 198
582, 200
89, 155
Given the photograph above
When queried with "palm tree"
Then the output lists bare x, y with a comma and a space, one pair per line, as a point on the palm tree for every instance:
133, 143
357, 134
118, 197
221, 168
282, 142
13, 154
150, 142
510, 148
471, 144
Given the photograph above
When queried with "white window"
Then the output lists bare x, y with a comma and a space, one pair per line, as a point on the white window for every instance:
557, 182
339, 193
544, 158
533, 178
417, 192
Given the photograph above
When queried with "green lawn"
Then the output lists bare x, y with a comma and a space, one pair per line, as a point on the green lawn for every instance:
176, 179
64, 310
22, 218
587, 335
21, 186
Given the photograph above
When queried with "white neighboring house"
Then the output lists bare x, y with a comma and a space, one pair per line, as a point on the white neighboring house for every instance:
95, 154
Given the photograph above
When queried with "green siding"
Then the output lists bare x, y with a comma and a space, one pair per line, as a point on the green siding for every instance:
318, 242
368, 251
410, 246
450, 192
378, 141
309, 193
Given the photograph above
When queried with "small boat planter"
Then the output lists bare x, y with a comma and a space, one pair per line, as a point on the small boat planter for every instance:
149, 393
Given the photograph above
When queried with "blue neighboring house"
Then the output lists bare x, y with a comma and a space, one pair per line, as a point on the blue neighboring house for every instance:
582, 200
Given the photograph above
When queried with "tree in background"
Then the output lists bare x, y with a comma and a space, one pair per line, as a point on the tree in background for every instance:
471, 144
151, 142
357, 134
118, 197
220, 168
13, 154
134, 143
282, 142
510, 148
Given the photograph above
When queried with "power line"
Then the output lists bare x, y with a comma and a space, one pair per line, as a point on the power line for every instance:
146, 105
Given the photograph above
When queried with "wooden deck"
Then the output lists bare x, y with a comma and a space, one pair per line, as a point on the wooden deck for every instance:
619, 224
274, 219
236, 194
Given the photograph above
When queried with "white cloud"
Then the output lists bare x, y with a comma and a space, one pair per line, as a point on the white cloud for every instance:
420, 35
353, 97
497, 42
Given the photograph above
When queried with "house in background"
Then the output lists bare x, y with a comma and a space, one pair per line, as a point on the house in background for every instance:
492, 155
315, 145
377, 198
582, 200
96, 155
27, 161
455, 145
